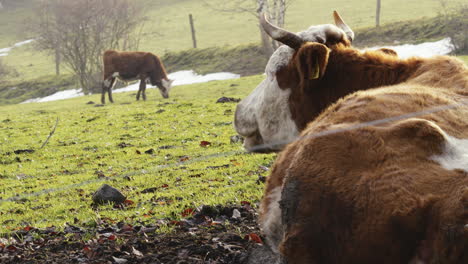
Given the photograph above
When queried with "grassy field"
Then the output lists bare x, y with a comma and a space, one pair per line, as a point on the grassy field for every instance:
127, 145
167, 27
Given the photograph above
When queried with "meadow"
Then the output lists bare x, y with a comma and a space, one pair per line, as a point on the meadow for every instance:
165, 155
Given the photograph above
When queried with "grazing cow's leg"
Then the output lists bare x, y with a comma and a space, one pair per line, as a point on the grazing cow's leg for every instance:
112, 84
106, 84
144, 89
141, 90
103, 94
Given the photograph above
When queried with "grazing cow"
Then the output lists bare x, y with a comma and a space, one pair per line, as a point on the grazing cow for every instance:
130, 66
268, 116
385, 192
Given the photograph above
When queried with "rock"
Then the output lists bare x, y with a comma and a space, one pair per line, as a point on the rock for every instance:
237, 139
21, 151
228, 100
149, 151
106, 194
236, 214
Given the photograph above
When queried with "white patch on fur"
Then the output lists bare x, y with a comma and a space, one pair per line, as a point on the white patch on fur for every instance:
455, 155
167, 84
266, 110
272, 226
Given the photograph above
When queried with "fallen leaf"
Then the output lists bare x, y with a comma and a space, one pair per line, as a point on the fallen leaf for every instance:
184, 158
137, 252
119, 260
188, 212
254, 237
128, 202
205, 143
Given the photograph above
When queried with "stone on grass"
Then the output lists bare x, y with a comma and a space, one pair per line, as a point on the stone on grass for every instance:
108, 194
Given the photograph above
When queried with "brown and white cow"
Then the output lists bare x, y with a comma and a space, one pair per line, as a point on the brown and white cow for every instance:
385, 192
268, 118
130, 66
264, 117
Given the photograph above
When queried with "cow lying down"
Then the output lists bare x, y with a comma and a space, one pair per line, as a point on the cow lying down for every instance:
386, 192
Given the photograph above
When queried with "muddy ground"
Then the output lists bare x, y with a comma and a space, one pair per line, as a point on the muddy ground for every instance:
208, 235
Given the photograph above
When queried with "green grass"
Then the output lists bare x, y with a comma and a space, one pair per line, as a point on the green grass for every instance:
87, 140
464, 58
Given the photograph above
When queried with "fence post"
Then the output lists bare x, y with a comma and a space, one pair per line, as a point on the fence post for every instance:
192, 28
377, 14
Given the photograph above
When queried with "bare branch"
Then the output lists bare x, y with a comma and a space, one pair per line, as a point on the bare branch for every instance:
50, 134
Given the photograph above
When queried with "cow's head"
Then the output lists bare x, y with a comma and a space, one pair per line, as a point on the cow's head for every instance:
164, 86
264, 117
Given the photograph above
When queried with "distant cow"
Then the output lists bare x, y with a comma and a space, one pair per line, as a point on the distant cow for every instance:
130, 66
278, 117
385, 192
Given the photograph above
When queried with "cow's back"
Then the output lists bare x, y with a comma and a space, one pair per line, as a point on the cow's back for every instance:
127, 64
367, 195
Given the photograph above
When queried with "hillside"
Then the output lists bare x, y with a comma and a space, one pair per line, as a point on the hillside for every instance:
224, 45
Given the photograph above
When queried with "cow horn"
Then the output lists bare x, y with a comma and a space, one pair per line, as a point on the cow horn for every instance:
288, 38
339, 22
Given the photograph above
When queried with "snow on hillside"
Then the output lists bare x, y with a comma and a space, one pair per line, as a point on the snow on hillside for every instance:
180, 78
5, 51
426, 49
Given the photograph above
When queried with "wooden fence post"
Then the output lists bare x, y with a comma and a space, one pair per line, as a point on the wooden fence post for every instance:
192, 28
377, 14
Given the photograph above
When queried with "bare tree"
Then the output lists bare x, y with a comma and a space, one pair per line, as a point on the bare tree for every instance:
79, 31
274, 9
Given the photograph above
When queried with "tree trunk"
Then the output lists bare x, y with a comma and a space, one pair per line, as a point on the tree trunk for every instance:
267, 45
377, 14
57, 60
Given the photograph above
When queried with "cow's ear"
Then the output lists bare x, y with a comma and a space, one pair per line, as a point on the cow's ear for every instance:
312, 60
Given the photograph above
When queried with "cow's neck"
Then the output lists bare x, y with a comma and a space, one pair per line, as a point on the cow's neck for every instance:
348, 71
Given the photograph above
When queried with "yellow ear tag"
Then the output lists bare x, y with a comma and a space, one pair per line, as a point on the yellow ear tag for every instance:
316, 71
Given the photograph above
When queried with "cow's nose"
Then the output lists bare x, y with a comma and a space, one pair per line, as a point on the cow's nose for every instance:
255, 143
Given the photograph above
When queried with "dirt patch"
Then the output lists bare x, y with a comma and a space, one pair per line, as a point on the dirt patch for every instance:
210, 234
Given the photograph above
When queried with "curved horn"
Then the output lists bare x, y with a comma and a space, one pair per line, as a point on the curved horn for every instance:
339, 22
288, 38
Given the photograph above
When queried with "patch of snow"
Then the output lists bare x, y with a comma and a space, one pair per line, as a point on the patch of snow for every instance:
180, 78
5, 51
185, 77
189, 77
67, 94
425, 50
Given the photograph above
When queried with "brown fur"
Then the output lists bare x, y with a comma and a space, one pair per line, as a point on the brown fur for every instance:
132, 65
351, 70
373, 195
